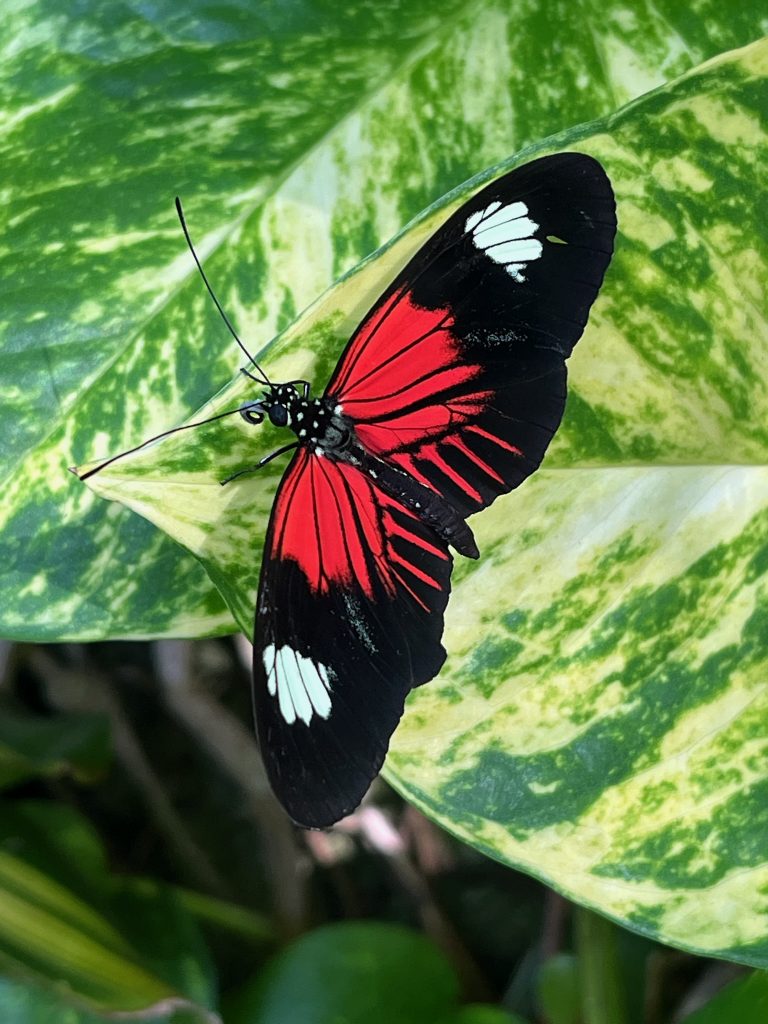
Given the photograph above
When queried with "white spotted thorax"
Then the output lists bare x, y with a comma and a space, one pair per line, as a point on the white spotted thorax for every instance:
302, 686
314, 421
505, 234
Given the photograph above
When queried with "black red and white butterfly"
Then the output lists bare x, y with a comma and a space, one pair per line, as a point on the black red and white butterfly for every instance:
445, 397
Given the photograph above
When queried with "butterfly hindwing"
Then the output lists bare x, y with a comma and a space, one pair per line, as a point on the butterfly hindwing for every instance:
349, 619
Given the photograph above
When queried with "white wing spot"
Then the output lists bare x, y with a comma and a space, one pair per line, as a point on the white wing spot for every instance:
505, 234
268, 658
302, 686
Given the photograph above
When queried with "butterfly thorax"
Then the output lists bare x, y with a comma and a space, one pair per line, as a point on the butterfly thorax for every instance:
319, 425
316, 422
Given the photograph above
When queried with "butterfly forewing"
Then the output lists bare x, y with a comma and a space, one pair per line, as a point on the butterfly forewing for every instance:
457, 377
458, 373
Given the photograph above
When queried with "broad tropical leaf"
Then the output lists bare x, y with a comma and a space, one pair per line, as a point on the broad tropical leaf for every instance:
341, 973
602, 717
744, 1000
300, 137
606, 725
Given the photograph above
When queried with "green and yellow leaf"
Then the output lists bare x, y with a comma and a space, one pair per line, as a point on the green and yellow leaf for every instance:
300, 137
601, 720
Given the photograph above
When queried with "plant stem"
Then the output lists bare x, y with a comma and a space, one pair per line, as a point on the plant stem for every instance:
602, 991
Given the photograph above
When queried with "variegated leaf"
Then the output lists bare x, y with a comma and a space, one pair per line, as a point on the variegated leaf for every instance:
300, 138
602, 718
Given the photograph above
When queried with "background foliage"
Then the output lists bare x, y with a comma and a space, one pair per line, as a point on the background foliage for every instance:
610, 738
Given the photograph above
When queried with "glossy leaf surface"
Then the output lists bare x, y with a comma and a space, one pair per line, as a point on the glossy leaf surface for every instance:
601, 717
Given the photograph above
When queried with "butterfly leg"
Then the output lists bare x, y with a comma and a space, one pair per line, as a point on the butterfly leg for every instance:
260, 463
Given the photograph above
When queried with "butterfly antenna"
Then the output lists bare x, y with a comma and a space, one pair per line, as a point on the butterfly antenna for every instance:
166, 433
225, 318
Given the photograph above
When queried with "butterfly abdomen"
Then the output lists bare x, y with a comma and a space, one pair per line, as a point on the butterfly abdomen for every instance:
433, 510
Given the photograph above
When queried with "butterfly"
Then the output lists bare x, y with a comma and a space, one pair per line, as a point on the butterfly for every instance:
445, 397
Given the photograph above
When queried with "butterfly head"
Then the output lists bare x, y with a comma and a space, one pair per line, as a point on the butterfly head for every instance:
278, 404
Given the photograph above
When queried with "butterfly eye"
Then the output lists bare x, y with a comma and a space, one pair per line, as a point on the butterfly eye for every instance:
252, 412
278, 415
